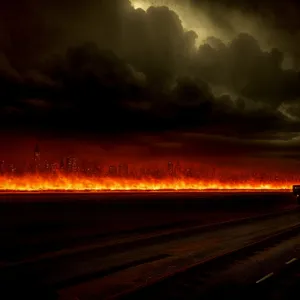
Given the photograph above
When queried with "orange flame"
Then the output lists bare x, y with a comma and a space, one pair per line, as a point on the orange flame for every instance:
77, 184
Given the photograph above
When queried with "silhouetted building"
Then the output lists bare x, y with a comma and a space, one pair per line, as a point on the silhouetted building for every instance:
62, 165
2, 171
47, 166
74, 165
120, 170
37, 153
112, 171
37, 158
170, 168
12, 169
177, 169
98, 170
156, 173
123, 170
71, 164
54, 167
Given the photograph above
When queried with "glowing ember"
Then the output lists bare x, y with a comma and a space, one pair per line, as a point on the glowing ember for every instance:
77, 184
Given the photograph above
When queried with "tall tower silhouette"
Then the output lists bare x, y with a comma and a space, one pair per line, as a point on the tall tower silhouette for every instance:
2, 167
177, 169
62, 164
37, 157
170, 168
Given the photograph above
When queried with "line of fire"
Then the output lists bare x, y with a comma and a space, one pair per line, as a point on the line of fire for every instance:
68, 174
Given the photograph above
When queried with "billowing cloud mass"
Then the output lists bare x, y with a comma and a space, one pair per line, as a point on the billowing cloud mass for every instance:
226, 68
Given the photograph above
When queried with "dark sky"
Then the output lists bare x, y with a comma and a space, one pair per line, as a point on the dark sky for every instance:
218, 78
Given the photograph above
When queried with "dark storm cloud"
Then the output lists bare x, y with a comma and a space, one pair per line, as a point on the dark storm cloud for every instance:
282, 14
105, 67
274, 23
242, 67
157, 44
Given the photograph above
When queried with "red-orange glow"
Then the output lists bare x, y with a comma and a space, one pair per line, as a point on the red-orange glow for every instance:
78, 184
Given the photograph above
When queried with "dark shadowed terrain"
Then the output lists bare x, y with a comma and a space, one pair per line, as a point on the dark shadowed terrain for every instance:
52, 221
37, 226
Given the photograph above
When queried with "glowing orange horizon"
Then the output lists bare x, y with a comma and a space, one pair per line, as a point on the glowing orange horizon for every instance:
31, 183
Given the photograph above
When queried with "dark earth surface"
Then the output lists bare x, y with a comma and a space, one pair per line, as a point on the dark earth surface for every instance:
50, 222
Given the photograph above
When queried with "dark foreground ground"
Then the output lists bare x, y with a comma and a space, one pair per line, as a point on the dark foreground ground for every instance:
33, 224
125, 211
52, 217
